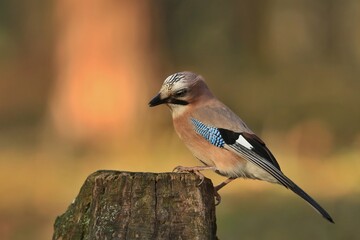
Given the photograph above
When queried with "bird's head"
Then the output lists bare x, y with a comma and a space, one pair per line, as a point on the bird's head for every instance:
181, 89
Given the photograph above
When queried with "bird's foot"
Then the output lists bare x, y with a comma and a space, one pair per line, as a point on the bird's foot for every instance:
217, 197
196, 170
218, 187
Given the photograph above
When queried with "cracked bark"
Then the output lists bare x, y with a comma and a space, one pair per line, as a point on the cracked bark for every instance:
126, 205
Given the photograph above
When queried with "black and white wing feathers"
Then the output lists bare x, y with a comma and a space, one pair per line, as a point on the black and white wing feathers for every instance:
253, 149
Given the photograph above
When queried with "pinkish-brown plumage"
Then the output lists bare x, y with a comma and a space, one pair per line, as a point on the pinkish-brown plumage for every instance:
218, 137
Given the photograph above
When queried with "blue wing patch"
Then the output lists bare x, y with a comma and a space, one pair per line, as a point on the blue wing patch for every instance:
211, 134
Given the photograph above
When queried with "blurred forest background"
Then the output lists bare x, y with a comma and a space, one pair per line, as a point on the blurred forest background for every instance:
76, 77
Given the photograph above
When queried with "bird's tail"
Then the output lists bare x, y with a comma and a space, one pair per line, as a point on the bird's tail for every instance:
296, 189
279, 176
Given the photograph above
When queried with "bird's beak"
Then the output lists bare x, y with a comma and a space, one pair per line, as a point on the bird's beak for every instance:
157, 101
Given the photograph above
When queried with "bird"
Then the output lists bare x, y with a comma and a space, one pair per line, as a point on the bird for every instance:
218, 138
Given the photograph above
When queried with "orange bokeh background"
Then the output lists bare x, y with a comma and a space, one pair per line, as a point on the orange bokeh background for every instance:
76, 78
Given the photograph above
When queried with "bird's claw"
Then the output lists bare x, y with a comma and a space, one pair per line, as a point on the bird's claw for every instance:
182, 169
217, 197
196, 170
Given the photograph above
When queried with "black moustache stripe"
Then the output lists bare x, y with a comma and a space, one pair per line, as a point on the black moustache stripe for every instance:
178, 102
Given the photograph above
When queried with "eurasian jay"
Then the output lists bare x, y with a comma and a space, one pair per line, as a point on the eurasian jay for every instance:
218, 137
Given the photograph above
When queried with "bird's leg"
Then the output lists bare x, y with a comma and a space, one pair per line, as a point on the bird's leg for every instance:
223, 184
196, 170
218, 187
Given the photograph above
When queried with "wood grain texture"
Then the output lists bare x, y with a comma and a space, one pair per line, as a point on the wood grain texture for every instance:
127, 205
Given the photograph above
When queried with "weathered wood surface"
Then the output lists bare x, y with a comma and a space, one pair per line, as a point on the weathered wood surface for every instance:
126, 205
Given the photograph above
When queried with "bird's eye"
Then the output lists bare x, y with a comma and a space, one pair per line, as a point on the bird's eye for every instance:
180, 93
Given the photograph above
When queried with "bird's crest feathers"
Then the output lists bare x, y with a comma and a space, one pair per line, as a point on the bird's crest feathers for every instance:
180, 79
172, 79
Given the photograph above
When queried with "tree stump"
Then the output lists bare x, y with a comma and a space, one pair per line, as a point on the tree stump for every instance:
127, 205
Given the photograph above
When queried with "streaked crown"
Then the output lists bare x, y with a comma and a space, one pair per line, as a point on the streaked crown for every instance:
179, 80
